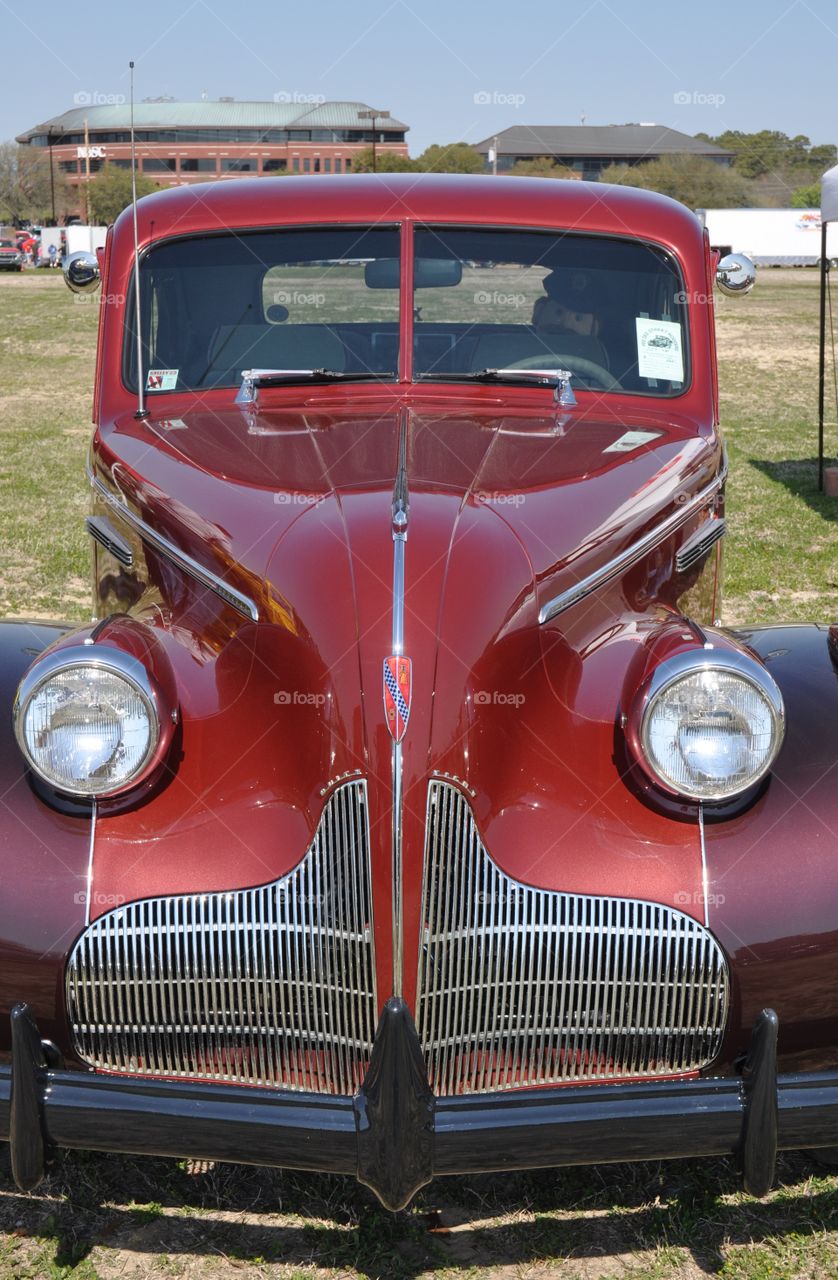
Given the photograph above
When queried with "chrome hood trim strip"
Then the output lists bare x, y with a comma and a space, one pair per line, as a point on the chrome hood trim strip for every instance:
613, 568
400, 514
228, 594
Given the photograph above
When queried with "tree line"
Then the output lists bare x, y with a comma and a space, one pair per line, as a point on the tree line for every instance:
769, 170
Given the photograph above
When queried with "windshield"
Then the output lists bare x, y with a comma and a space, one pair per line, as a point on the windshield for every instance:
609, 311
311, 298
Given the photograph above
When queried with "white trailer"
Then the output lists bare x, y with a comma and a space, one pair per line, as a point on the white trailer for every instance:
87, 238
770, 237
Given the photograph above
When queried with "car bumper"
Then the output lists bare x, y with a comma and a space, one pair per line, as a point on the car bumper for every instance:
394, 1136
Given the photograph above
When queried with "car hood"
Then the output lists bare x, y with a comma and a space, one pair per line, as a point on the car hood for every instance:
232, 484
293, 507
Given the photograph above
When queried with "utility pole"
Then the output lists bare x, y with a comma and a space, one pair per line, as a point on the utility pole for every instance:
86, 172
51, 179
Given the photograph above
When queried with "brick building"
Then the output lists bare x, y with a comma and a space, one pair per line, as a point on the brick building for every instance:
179, 142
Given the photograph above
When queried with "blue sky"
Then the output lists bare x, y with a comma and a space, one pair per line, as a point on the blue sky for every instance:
450, 68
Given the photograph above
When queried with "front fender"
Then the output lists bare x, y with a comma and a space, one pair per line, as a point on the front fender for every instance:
772, 871
43, 860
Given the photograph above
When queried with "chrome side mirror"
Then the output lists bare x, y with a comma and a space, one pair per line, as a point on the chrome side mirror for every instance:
735, 274
81, 272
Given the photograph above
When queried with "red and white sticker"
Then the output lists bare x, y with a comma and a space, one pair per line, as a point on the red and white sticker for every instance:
161, 379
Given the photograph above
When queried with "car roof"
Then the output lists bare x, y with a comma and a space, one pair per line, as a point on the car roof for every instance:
436, 198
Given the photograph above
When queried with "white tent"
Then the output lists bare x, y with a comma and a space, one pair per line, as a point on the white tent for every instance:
829, 213
829, 195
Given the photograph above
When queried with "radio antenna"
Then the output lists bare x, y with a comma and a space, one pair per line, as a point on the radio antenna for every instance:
142, 411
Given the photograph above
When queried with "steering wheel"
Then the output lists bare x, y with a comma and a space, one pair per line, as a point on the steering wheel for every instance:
588, 368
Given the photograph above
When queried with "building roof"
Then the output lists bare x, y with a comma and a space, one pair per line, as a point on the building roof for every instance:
598, 140
212, 115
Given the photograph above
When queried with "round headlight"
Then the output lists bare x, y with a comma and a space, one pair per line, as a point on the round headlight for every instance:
710, 724
88, 725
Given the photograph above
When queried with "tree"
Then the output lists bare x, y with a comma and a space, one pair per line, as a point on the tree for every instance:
540, 167
697, 182
807, 197
385, 162
823, 158
770, 152
453, 157
25, 190
110, 192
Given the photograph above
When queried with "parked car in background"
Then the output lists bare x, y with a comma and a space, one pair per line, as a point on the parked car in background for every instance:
11, 256
405, 810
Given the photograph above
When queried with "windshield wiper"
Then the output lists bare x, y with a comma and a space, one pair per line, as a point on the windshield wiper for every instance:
557, 378
252, 379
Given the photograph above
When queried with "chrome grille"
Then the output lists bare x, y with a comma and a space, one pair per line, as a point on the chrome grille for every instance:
268, 986
521, 986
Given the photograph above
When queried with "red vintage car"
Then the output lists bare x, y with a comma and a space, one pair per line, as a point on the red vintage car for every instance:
404, 810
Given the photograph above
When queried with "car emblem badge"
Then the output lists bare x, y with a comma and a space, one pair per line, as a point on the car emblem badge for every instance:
398, 690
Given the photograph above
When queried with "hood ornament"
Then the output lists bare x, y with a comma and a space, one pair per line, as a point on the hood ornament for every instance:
563, 393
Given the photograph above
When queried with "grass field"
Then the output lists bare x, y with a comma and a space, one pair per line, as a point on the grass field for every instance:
105, 1217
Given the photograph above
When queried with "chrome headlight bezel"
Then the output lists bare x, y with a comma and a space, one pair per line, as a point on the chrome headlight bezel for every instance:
114, 661
679, 667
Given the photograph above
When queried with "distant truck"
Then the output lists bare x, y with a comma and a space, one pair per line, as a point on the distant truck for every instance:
770, 237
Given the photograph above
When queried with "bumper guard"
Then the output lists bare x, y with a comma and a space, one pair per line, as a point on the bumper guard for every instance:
394, 1135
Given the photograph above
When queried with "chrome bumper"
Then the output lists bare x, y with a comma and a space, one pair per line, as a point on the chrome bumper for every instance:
395, 1136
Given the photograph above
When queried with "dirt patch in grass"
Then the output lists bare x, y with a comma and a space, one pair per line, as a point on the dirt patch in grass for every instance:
108, 1217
